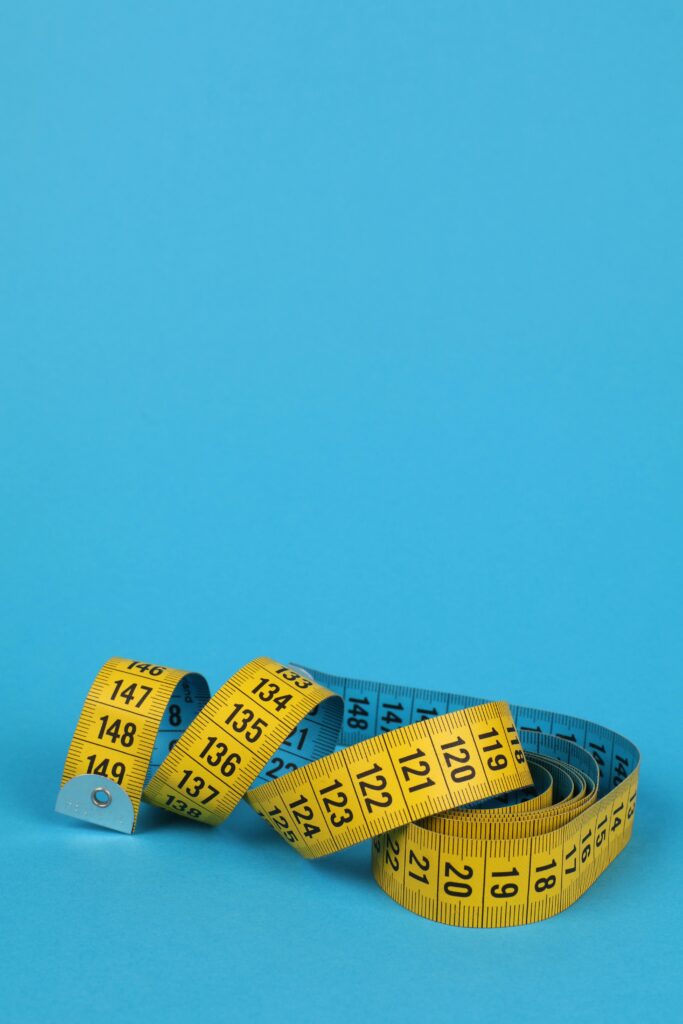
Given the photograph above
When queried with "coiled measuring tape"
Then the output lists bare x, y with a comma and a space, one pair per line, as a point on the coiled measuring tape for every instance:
469, 824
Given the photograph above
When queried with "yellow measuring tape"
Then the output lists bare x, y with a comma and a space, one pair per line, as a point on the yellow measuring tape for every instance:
480, 814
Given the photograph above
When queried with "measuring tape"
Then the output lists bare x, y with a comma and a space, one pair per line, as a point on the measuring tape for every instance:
480, 814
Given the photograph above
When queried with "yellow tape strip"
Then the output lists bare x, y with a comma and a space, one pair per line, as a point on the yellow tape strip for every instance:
394, 779
234, 737
118, 733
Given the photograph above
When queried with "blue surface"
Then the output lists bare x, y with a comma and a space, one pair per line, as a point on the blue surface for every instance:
346, 333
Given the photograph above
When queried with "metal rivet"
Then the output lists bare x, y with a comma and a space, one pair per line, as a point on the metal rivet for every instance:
101, 797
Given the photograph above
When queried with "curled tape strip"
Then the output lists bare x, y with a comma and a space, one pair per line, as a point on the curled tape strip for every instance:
470, 825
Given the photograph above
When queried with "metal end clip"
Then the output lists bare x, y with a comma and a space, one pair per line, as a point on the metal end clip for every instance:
99, 800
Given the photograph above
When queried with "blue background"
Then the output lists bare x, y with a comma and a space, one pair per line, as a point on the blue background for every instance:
351, 334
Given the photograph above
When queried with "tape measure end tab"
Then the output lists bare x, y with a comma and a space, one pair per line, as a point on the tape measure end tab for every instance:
98, 800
